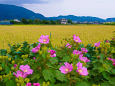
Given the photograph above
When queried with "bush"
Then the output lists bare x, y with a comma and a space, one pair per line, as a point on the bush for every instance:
40, 64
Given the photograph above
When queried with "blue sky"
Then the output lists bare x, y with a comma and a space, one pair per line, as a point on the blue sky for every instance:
97, 8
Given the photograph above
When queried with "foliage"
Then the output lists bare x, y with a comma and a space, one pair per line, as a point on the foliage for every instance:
46, 69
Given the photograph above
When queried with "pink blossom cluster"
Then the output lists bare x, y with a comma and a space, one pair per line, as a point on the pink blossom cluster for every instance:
77, 52
66, 68
97, 44
68, 45
36, 49
84, 50
34, 84
113, 60
76, 39
81, 70
23, 72
44, 39
80, 53
84, 59
52, 53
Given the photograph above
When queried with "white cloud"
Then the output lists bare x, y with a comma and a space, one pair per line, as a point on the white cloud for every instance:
98, 8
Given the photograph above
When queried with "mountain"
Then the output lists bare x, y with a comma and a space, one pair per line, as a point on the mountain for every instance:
110, 19
78, 18
16, 12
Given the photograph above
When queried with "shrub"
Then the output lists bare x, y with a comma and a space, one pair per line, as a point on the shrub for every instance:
40, 64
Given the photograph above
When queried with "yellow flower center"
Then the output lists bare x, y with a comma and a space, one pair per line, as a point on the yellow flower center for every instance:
44, 40
76, 40
66, 70
25, 70
80, 70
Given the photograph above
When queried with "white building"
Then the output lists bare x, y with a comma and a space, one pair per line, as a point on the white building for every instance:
63, 21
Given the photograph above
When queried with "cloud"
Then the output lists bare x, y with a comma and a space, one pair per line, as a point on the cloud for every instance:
19, 2
97, 8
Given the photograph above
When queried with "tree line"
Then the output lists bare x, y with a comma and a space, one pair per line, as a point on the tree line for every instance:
38, 21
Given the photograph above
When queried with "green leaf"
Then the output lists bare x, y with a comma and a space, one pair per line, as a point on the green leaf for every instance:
106, 75
113, 71
83, 83
49, 75
35, 76
60, 76
112, 81
66, 59
10, 83
53, 60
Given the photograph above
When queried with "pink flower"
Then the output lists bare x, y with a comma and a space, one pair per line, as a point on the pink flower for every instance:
34, 58
36, 49
76, 39
84, 50
114, 64
20, 74
52, 53
76, 52
36, 84
68, 45
28, 84
81, 70
79, 65
84, 59
15, 65
67, 68
113, 60
107, 41
97, 44
44, 39
26, 69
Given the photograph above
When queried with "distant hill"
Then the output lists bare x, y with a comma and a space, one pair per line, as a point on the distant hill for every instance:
16, 12
78, 18
110, 19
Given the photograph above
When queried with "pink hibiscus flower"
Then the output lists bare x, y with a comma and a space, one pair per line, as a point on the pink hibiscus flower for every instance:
84, 50
44, 39
36, 49
20, 74
97, 44
15, 65
28, 84
68, 45
26, 69
36, 84
76, 39
84, 59
113, 60
52, 53
81, 70
66, 68
76, 52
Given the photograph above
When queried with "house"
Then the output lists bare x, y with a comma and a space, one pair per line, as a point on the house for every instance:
16, 20
63, 21
5, 23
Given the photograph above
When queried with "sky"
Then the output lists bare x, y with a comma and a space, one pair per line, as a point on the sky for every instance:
49, 8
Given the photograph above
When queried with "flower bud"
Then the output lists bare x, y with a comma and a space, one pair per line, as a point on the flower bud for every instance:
0, 68
9, 59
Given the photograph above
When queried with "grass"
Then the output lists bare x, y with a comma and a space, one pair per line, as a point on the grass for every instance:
19, 33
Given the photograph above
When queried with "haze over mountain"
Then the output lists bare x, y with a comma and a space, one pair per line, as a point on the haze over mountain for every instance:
15, 12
